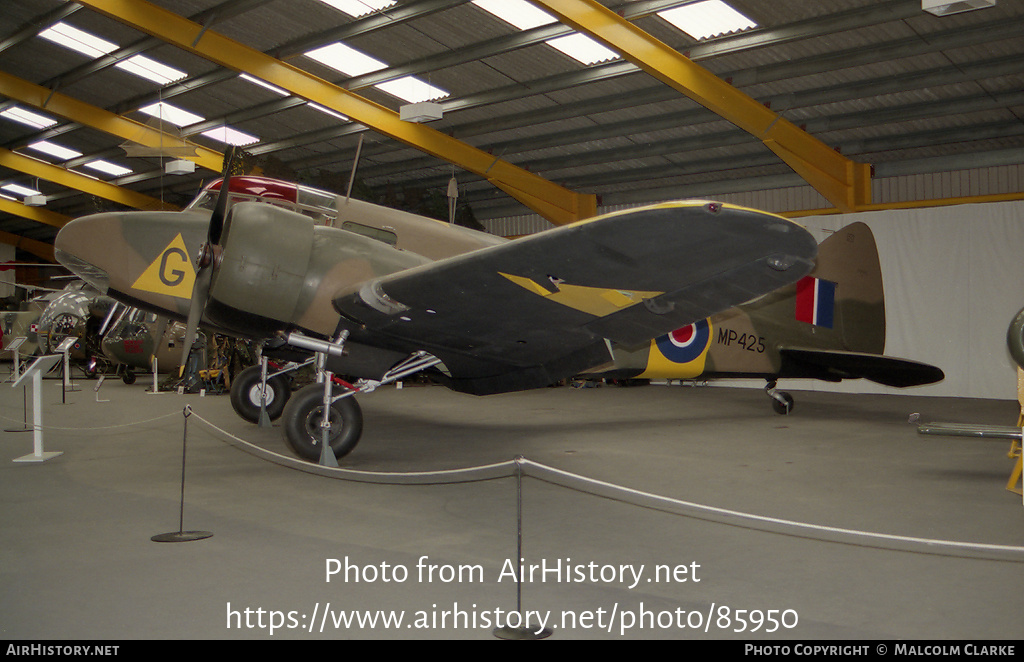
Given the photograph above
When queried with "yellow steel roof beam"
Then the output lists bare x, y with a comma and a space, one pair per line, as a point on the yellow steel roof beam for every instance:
844, 183
553, 202
37, 248
102, 120
38, 214
80, 182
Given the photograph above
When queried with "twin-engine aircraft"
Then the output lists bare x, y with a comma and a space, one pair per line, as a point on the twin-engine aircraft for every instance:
379, 294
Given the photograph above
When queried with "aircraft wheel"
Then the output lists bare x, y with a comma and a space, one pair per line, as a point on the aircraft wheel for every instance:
302, 416
245, 394
783, 406
128, 377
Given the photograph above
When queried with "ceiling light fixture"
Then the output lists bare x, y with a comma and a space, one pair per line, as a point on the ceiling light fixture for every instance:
945, 7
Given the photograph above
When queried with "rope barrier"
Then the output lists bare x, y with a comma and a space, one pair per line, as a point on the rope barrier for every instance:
647, 500
565, 479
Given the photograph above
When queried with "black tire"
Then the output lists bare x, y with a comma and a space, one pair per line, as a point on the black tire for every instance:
301, 423
128, 377
782, 408
245, 394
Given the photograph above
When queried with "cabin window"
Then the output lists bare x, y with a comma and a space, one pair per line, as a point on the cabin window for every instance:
386, 236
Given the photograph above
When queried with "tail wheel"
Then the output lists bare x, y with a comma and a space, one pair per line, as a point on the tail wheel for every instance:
245, 394
302, 417
782, 403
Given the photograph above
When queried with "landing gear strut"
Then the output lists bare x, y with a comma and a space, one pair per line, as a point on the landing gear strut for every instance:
782, 402
307, 429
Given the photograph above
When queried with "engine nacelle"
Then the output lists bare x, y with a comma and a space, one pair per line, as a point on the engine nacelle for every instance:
278, 270
1015, 338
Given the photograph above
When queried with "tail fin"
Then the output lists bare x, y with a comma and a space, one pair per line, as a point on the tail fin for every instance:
848, 264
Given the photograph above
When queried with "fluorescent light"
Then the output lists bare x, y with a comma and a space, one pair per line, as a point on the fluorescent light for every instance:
519, 13
20, 190
229, 136
262, 83
92, 46
172, 114
582, 48
327, 111
710, 18
108, 167
29, 118
53, 149
357, 8
346, 59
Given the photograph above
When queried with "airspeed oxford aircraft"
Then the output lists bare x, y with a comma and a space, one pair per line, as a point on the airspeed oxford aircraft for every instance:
380, 294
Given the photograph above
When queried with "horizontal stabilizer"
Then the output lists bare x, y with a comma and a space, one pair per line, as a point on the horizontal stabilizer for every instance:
834, 366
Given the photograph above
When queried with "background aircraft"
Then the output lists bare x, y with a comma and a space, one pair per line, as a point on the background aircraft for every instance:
386, 293
830, 326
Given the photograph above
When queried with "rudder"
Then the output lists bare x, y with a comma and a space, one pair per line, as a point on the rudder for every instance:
849, 260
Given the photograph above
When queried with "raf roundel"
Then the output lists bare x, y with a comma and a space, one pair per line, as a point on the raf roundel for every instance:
685, 344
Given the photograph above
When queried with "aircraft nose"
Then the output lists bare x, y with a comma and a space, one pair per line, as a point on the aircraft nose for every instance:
84, 246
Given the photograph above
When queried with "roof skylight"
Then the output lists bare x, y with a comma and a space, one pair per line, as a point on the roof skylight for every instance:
706, 19
20, 190
349, 61
172, 114
229, 136
55, 150
523, 15
346, 59
262, 83
108, 167
357, 8
27, 117
92, 46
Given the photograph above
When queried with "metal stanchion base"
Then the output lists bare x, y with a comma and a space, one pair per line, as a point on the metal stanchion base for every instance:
181, 536
38, 458
526, 633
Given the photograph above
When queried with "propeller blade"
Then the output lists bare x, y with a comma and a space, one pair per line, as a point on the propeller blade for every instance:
200, 294
220, 210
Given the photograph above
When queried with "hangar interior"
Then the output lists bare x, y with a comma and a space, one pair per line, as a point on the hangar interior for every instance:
904, 114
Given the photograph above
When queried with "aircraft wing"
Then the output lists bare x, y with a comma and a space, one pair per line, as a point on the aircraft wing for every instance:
532, 311
833, 365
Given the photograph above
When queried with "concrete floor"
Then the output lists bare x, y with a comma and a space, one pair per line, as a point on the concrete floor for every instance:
77, 562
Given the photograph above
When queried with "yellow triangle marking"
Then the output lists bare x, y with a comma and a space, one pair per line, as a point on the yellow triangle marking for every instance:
171, 273
597, 301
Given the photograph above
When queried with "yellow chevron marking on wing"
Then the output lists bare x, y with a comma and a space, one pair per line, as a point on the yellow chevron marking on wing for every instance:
597, 301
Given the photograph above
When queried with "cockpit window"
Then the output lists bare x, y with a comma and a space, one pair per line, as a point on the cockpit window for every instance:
206, 200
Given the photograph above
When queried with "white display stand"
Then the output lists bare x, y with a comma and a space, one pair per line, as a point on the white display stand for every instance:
35, 373
65, 348
16, 355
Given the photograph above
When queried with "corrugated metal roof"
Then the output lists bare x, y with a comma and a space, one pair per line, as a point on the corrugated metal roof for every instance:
883, 82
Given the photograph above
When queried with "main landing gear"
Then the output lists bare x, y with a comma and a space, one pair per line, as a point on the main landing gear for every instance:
307, 431
782, 402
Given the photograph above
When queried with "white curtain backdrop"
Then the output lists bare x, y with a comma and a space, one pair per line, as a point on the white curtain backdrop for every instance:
954, 278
